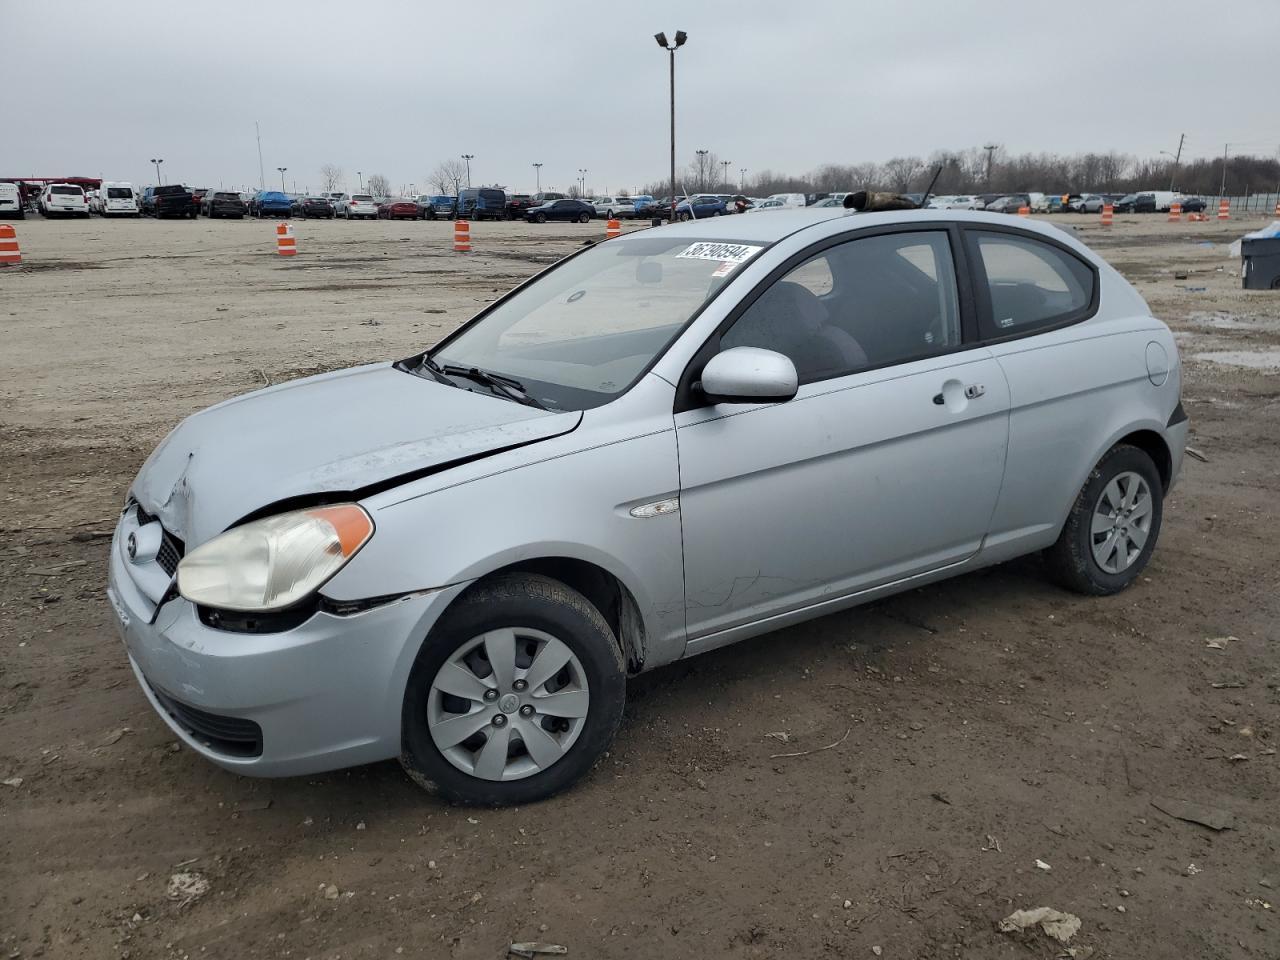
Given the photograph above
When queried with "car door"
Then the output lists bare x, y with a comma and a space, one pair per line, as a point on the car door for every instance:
886, 464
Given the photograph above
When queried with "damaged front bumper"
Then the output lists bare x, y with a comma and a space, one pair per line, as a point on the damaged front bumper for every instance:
323, 695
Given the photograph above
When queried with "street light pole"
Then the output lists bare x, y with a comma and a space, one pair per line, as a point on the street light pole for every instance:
361, 176
582, 181
157, 163
537, 172
725, 175
742, 179
681, 37
468, 157
702, 168
282, 187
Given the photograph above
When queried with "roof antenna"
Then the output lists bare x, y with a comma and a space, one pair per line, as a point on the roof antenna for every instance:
925, 199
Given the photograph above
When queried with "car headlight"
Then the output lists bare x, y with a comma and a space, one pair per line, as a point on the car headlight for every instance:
274, 562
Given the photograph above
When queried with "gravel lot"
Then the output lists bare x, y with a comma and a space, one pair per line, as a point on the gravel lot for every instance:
992, 721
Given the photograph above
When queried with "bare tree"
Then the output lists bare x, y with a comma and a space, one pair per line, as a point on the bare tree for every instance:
379, 185
331, 177
447, 177
900, 171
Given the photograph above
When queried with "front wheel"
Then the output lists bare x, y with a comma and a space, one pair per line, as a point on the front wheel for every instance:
540, 218
1113, 525
514, 696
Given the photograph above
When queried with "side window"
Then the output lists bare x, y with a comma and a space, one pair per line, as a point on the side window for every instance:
1030, 284
866, 303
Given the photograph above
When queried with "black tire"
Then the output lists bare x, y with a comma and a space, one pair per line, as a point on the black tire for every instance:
540, 218
584, 217
516, 600
1070, 560
685, 216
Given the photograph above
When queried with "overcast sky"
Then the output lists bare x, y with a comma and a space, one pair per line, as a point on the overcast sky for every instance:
98, 88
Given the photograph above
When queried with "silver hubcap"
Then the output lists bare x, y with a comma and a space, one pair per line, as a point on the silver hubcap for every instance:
1121, 522
508, 704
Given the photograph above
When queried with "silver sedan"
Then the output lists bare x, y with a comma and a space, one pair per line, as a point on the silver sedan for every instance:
663, 444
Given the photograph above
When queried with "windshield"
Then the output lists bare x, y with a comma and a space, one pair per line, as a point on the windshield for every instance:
583, 332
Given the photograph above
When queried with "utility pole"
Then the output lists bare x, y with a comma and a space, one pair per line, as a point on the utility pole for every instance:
582, 180
742, 179
1223, 192
361, 176
991, 149
262, 177
157, 163
282, 187
537, 172
468, 157
724, 176
702, 168
1182, 138
681, 37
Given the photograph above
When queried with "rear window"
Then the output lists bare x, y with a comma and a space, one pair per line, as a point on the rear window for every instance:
67, 191
169, 191
362, 197
226, 196
1030, 284
119, 193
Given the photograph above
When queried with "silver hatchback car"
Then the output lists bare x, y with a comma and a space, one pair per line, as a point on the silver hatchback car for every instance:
663, 444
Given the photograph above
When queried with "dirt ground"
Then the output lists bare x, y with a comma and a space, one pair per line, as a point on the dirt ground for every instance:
979, 725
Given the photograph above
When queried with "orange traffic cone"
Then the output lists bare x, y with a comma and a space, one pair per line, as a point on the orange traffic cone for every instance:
1175, 213
1024, 211
9, 251
612, 229
286, 245
461, 236
1224, 209
1107, 211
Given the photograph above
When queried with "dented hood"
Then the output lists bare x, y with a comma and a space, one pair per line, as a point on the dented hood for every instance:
334, 433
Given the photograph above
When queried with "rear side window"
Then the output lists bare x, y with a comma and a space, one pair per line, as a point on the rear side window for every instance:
1030, 285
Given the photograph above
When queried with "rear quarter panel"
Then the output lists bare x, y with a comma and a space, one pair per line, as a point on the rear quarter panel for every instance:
1074, 392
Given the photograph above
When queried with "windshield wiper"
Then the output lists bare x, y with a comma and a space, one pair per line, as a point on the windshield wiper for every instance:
504, 386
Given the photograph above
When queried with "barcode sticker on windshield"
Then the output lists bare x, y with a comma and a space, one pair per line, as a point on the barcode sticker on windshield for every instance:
734, 253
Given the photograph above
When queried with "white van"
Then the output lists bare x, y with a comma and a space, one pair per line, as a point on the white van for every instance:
116, 198
11, 201
789, 199
1164, 198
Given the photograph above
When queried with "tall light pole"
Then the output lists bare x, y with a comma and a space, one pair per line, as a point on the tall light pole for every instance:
702, 168
742, 179
282, 170
157, 163
724, 177
468, 157
991, 149
582, 180
1223, 192
681, 37
1177, 157
537, 172
361, 176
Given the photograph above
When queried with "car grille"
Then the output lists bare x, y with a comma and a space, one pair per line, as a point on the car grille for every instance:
233, 736
171, 548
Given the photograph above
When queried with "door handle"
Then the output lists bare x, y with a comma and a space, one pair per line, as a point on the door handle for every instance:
971, 392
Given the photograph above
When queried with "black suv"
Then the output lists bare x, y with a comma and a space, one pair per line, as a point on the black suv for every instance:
173, 200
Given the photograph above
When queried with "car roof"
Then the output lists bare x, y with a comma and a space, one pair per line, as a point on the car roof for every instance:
747, 228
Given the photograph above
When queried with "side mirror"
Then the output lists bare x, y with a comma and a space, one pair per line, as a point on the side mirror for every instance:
749, 375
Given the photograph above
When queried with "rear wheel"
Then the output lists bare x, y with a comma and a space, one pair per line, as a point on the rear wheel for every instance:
1113, 525
584, 217
514, 696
